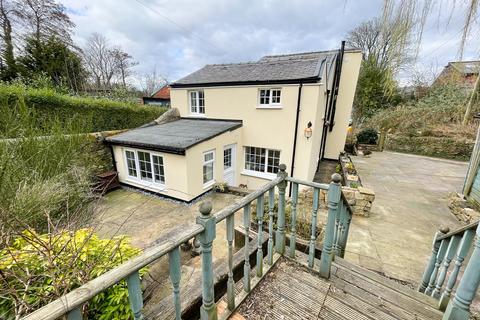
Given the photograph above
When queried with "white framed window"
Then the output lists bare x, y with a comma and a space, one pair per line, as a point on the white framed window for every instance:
227, 158
145, 166
131, 163
208, 168
269, 98
197, 102
262, 160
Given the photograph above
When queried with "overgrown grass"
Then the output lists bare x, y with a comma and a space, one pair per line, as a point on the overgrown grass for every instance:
438, 114
44, 174
89, 114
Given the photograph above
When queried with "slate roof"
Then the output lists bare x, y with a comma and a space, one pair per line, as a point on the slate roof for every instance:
466, 67
174, 137
288, 68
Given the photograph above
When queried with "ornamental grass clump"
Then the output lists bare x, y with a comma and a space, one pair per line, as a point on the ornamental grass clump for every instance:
36, 269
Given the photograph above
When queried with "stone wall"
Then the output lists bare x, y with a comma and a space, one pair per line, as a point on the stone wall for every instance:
360, 199
463, 210
441, 147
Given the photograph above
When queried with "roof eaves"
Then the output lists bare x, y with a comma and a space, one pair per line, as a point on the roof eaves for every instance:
244, 83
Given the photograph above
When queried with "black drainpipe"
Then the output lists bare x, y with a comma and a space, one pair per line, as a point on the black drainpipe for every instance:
331, 103
295, 133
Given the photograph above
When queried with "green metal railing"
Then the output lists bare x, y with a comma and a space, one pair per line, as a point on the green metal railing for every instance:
336, 235
448, 246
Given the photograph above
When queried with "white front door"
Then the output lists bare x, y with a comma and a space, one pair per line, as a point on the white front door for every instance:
229, 157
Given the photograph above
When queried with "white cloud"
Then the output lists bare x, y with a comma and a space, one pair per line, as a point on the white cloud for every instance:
219, 31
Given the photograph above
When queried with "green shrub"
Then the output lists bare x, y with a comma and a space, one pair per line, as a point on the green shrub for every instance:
45, 174
91, 114
39, 268
367, 136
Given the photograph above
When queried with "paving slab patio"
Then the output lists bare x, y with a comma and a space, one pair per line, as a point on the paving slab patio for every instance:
410, 205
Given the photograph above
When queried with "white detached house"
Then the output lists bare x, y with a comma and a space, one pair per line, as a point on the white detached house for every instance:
239, 121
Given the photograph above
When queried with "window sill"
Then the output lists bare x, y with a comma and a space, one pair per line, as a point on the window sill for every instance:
197, 115
270, 106
208, 184
149, 185
261, 175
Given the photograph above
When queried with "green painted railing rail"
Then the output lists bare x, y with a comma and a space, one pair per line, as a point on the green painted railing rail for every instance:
336, 235
454, 246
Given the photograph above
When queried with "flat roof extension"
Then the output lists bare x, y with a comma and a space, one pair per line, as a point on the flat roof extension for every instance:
174, 137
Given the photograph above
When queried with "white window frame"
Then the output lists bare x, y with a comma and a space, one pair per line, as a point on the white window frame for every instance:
209, 183
270, 104
260, 174
137, 178
196, 112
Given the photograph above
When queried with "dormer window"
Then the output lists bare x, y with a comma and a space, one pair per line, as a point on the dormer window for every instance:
269, 98
197, 102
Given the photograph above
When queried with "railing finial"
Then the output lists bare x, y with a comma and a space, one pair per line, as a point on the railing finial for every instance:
336, 178
205, 208
444, 229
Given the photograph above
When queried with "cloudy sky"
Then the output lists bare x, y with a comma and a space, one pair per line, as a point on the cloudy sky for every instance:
177, 37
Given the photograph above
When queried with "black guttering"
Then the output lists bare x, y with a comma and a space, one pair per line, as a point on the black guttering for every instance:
173, 150
295, 134
337, 86
244, 83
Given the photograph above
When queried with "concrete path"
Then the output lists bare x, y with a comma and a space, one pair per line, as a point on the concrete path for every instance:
410, 205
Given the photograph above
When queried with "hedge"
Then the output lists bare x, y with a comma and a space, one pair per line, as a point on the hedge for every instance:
94, 114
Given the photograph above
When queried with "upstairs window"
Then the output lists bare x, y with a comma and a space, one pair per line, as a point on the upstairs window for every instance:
270, 97
197, 102
262, 160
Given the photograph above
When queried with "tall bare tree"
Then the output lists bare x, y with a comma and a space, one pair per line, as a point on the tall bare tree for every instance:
106, 64
46, 18
152, 81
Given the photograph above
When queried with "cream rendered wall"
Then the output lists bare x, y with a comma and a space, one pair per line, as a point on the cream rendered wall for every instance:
268, 128
348, 83
175, 173
194, 158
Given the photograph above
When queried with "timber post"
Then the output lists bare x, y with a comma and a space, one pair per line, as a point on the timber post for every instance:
208, 311
334, 193
282, 186
459, 307
431, 263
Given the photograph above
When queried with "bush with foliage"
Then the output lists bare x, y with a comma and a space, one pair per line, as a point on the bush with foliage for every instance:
92, 114
44, 172
39, 268
367, 136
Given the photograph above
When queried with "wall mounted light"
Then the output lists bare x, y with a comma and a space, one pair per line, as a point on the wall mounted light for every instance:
308, 131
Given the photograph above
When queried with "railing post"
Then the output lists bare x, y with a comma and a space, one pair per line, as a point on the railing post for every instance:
452, 280
208, 311
333, 198
135, 295
175, 275
459, 307
260, 236
246, 265
230, 283
431, 263
271, 203
347, 218
440, 255
280, 235
293, 230
313, 231
338, 228
452, 248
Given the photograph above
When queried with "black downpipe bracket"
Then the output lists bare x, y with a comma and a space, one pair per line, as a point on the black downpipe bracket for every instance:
295, 133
